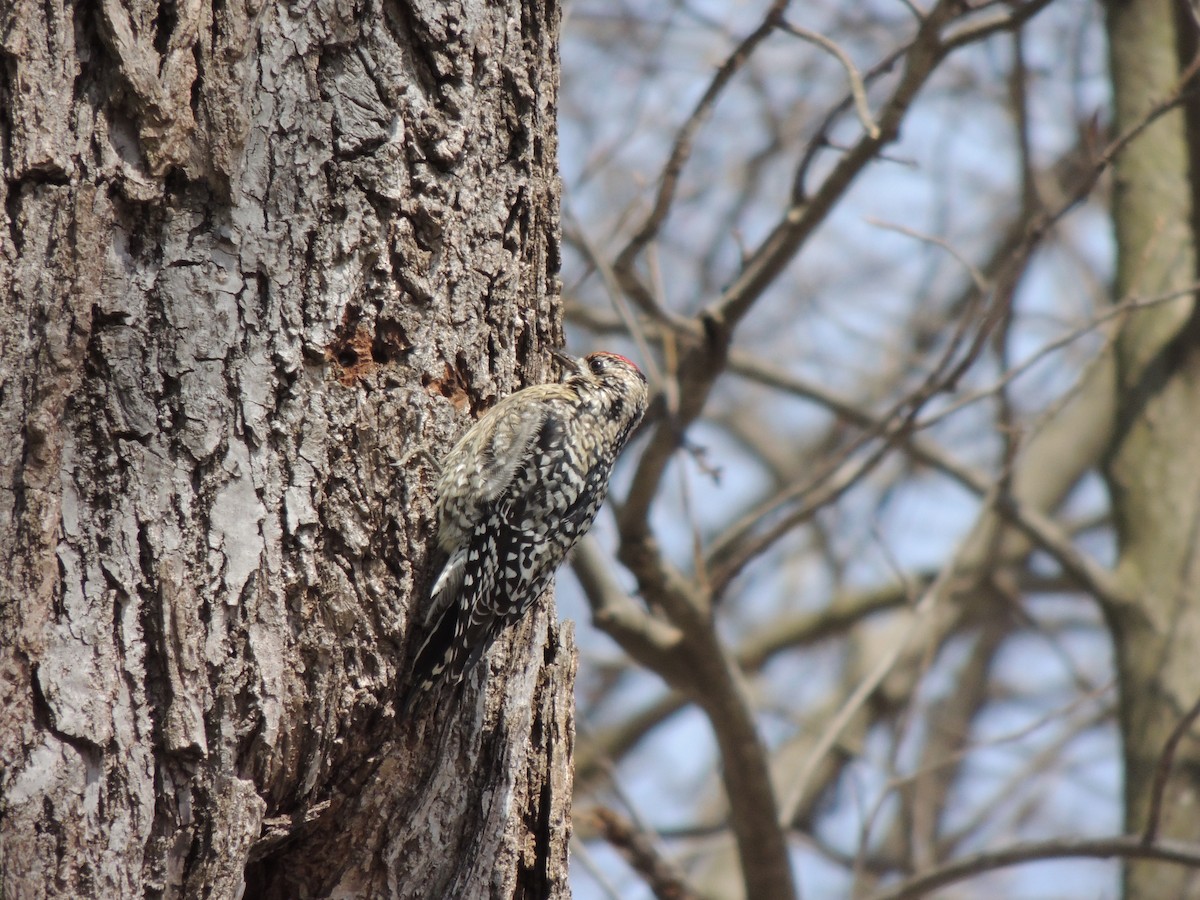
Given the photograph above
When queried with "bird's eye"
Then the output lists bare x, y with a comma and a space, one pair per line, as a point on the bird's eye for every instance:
596, 364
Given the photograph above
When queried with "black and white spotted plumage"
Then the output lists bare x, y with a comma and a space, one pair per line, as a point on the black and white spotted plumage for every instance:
515, 494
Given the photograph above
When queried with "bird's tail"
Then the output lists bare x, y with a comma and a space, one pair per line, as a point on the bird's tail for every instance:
433, 658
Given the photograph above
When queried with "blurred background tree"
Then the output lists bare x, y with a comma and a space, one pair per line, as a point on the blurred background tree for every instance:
899, 590
910, 593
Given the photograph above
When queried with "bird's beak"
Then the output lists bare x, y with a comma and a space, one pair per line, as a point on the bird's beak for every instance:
569, 364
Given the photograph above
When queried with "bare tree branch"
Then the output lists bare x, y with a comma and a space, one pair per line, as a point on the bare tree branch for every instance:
1127, 847
665, 880
857, 89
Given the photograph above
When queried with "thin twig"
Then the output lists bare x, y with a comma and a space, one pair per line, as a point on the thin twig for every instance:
977, 277
664, 878
1014, 372
580, 852
682, 149
858, 89
617, 297
922, 612
1122, 846
1163, 772
1047, 534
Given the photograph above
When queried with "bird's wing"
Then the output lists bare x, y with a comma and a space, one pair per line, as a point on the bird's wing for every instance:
490, 454
508, 449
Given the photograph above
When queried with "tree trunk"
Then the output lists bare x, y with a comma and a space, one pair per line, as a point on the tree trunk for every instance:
1152, 471
260, 262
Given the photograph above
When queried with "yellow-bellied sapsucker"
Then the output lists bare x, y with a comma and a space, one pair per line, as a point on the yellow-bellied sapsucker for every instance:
515, 494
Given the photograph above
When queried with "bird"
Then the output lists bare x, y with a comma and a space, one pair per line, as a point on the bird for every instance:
515, 493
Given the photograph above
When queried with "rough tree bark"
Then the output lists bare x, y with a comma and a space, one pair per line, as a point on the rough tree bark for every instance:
259, 260
1152, 468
